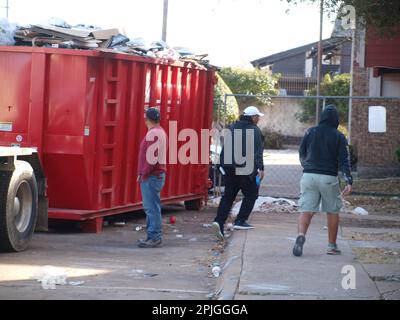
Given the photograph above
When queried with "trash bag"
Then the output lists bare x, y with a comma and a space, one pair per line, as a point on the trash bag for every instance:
82, 26
118, 40
184, 51
160, 45
7, 32
168, 55
137, 42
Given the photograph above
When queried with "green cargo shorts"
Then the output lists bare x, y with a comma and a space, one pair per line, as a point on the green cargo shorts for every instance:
319, 193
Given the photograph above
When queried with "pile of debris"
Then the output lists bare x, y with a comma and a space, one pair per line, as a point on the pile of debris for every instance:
269, 205
56, 33
62, 37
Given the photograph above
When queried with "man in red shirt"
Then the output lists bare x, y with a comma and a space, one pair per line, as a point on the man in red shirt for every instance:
151, 176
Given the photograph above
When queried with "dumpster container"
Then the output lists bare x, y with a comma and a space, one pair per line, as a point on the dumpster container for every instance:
83, 111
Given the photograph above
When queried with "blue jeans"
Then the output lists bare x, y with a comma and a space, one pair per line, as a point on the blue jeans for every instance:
151, 189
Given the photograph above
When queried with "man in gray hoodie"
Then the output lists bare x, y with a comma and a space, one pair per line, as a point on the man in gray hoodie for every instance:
323, 151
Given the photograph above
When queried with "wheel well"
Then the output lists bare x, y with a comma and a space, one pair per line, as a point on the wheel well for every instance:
34, 161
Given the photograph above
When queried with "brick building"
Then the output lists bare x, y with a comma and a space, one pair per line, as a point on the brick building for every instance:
376, 74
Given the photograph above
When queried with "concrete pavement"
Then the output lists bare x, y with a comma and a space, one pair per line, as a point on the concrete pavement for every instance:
113, 267
262, 266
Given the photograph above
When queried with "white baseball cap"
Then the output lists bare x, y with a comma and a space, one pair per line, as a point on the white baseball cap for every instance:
252, 111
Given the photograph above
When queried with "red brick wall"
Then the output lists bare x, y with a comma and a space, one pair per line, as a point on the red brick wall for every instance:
375, 151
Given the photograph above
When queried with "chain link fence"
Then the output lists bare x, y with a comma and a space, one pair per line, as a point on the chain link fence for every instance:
371, 124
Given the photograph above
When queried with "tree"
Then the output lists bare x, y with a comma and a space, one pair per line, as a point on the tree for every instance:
339, 85
383, 16
232, 108
251, 82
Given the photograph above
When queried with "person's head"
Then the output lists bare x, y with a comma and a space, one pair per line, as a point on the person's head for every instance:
153, 117
253, 113
330, 116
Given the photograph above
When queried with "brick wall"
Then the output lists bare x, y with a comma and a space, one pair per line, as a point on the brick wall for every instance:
375, 151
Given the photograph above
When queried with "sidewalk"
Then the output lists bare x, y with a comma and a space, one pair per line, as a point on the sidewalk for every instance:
260, 264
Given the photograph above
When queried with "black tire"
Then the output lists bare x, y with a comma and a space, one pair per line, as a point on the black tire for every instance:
18, 207
194, 205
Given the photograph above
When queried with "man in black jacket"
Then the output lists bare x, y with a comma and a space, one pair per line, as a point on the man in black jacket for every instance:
241, 161
323, 151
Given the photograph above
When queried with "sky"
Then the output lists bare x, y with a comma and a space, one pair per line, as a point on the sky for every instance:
232, 32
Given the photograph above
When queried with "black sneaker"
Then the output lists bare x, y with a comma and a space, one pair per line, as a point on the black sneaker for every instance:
242, 225
150, 244
217, 231
298, 247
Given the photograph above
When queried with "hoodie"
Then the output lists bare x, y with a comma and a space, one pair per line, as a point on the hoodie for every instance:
245, 123
323, 149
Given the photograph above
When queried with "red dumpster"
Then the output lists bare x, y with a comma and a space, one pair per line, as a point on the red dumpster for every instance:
83, 111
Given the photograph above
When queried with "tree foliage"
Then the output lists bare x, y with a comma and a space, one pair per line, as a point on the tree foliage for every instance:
339, 85
251, 82
384, 16
232, 108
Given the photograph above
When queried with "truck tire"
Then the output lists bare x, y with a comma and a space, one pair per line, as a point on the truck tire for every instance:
194, 205
18, 207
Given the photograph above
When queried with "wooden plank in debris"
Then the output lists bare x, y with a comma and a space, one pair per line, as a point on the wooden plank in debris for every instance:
75, 33
104, 34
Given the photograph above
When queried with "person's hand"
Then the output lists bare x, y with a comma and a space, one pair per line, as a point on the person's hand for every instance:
347, 190
261, 174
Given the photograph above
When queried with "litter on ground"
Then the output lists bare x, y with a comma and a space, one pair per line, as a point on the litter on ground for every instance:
50, 277
268, 204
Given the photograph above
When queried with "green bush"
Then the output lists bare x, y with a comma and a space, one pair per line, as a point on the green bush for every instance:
251, 82
272, 140
398, 154
353, 157
232, 108
339, 85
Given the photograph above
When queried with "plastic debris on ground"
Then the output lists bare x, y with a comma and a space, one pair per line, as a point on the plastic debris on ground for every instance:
140, 274
139, 228
269, 205
213, 202
50, 277
360, 211
57, 33
76, 283
216, 271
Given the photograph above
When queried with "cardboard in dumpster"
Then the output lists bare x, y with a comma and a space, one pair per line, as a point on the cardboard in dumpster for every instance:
104, 34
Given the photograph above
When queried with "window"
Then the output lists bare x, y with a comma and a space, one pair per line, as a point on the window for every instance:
391, 85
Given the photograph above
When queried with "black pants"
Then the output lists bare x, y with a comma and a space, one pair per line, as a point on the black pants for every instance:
233, 184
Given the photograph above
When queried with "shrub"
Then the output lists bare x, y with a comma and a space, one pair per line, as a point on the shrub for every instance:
232, 107
272, 140
339, 85
252, 82
397, 152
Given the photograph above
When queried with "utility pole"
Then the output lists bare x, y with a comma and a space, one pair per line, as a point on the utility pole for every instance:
165, 21
319, 71
7, 7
